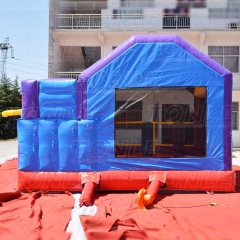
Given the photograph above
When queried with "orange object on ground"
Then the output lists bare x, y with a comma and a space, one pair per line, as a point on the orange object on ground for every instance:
146, 197
140, 199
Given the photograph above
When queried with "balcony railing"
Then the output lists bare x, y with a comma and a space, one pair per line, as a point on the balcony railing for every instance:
73, 75
141, 22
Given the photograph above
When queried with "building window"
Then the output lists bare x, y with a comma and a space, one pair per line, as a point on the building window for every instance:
235, 118
184, 12
191, 3
127, 14
129, 111
226, 13
137, 3
227, 56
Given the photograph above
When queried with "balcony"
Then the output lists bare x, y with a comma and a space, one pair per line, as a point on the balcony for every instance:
73, 75
139, 22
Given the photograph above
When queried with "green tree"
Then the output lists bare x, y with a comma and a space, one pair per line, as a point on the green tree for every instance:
16, 101
10, 98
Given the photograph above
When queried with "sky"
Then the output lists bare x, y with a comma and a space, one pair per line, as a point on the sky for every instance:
25, 22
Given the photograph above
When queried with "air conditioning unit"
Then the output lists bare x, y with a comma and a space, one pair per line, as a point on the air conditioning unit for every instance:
233, 25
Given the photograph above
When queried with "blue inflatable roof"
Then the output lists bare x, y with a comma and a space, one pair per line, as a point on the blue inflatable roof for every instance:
159, 61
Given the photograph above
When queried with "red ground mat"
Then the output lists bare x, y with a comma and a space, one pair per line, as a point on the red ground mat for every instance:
8, 181
31, 215
172, 216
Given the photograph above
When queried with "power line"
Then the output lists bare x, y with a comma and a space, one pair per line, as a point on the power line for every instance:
26, 72
27, 66
30, 62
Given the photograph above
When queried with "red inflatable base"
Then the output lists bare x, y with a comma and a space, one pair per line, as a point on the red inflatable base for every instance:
128, 180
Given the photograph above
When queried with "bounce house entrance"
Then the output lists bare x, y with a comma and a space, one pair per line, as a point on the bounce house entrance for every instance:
160, 122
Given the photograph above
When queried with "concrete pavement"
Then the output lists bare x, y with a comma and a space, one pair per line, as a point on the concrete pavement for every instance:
236, 157
8, 150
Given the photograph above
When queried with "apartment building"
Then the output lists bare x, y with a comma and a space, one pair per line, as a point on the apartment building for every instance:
81, 32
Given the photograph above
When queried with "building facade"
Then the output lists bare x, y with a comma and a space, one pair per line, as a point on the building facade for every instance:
82, 32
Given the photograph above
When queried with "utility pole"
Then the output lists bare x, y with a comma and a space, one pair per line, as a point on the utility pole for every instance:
4, 49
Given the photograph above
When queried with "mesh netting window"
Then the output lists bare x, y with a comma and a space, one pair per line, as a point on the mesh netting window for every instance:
160, 122
128, 111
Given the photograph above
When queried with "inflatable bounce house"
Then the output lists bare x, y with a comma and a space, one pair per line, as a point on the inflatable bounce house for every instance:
153, 114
